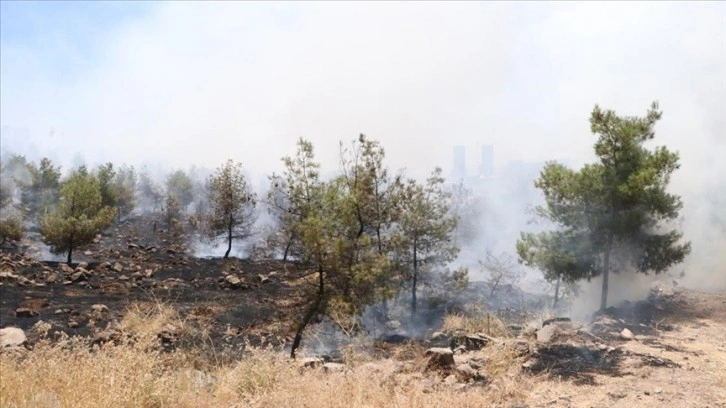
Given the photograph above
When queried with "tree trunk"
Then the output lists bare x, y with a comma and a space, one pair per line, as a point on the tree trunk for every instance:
314, 309
229, 238
415, 279
287, 249
605, 276
70, 253
557, 291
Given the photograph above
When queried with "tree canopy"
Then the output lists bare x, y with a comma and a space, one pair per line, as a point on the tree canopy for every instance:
611, 215
79, 215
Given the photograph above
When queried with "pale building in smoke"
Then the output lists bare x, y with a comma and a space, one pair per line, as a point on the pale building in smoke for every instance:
459, 171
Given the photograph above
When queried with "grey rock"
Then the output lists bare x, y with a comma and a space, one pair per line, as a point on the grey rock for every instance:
440, 357
12, 337
626, 334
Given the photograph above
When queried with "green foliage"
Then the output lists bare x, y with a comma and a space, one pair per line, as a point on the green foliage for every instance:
232, 204
422, 239
79, 215
106, 185
179, 185
40, 193
11, 226
611, 215
124, 185
292, 197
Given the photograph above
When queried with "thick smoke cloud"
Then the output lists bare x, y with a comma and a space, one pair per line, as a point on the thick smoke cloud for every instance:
177, 84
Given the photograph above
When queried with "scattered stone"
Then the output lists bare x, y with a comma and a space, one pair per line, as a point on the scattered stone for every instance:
440, 357
617, 394
99, 308
83, 265
8, 275
62, 311
23, 281
471, 342
466, 372
311, 362
51, 278
72, 324
148, 283
25, 312
169, 334
12, 337
66, 269
117, 267
133, 246
79, 276
263, 279
233, 280
626, 334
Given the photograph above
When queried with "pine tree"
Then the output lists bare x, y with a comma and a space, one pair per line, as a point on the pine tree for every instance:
613, 215
79, 215
232, 204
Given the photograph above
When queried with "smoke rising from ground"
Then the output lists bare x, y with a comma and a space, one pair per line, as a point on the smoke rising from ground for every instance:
176, 84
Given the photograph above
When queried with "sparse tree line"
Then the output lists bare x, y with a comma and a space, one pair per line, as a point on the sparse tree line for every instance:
368, 234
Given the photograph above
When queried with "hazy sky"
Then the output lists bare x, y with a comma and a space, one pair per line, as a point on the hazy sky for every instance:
196, 83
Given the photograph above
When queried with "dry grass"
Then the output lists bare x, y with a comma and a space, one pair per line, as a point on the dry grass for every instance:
481, 323
136, 373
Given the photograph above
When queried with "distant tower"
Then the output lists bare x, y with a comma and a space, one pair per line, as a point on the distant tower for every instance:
487, 161
459, 162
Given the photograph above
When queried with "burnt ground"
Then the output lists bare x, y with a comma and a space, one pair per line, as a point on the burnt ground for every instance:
133, 264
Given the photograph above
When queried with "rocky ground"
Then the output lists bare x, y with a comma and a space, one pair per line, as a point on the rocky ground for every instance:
132, 265
667, 350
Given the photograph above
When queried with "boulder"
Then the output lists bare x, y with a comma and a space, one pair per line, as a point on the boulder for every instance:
626, 334
8, 276
233, 280
80, 276
66, 269
25, 312
466, 372
12, 337
470, 342
440, 357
